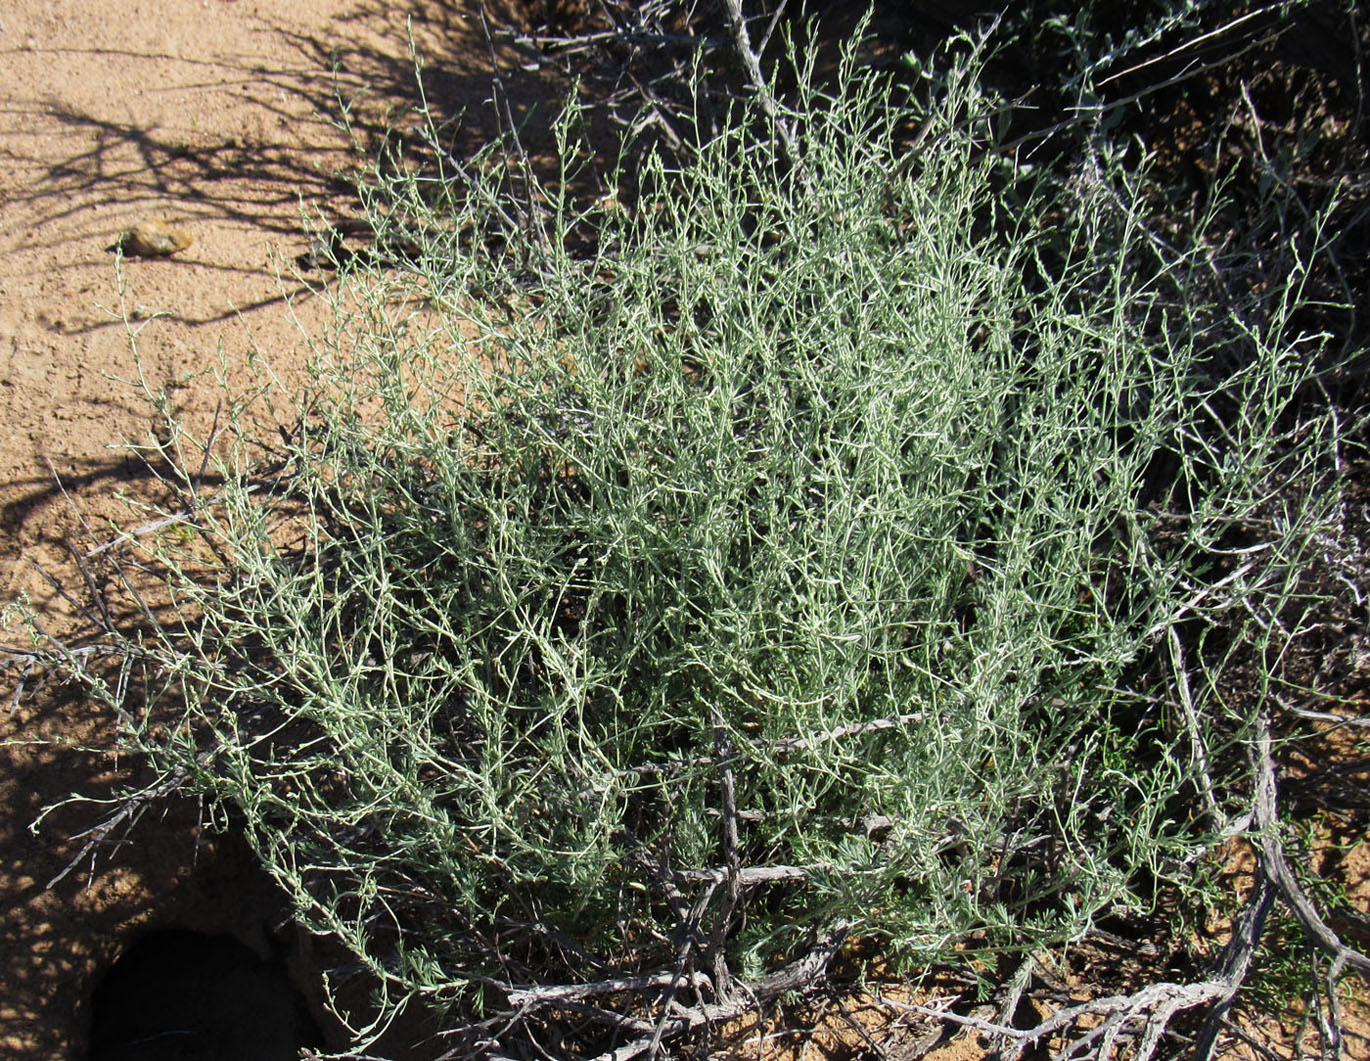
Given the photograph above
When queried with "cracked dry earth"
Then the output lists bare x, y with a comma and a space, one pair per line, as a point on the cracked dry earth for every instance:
213, 117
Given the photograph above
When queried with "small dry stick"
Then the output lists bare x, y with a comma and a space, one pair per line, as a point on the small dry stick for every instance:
724, 750
1153, 1006
1236, 962
799, 974
1274, 864
556, 994
130, 811
751, 63
1196, 743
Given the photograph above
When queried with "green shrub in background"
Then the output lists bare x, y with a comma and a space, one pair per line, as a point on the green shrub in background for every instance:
797, 550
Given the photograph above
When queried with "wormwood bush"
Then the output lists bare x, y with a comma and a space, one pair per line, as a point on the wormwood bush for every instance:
799, 545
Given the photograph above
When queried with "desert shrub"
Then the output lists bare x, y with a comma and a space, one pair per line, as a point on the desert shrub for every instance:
775, 547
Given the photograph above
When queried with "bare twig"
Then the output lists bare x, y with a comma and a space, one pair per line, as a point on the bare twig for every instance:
533, 224
32, 657
1197, 754
748, 876
1144, 1016
751, 64
687, 939
1095, 111
1236, 962
540, 995
1255, 1044
798, 975
61, 591
130, 811
1274, 876
1326, 716
1147, 1012
732, 896
1014, 992
1194, 42
1274, 864
137, 532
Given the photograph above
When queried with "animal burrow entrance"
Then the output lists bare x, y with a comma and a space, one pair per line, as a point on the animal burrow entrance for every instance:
178, 995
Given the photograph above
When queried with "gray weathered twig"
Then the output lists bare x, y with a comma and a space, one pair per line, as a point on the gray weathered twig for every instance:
800, 974
751, 64
130, 811
1276, 866
1146, 1013
732, 895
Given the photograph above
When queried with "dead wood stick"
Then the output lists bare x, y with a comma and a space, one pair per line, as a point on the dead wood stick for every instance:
799, 974
1236, 962
1197, 753
1154, 1005
1016, 986
536, 995
751, 63
1326, 716
128, 815
61, 591
732, 894
749, 876
688, 940
1274, 864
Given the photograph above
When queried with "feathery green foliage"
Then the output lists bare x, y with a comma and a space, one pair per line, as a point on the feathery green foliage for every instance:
846, 502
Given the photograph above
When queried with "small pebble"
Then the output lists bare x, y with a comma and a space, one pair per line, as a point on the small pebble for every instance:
153, 239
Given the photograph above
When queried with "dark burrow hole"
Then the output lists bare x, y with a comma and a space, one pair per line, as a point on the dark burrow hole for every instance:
178, 995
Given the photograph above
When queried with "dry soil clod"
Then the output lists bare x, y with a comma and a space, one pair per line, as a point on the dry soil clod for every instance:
153, 239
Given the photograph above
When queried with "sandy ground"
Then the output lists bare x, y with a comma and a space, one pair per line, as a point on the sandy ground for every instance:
215, 116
